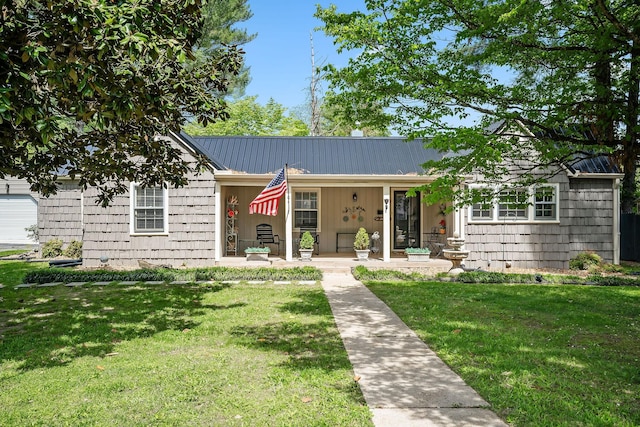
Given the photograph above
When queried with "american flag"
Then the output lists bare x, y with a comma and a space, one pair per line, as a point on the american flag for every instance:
266, 203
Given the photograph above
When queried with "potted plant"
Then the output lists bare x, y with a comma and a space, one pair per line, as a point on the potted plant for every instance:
417, 254
306, 246
257, 253
361, 244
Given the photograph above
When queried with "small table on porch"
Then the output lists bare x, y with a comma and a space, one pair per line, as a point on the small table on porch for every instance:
435, 242
350, 241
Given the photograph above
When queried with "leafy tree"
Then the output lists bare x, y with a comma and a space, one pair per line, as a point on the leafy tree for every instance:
88, 85
572, 77
248, 117
219, 30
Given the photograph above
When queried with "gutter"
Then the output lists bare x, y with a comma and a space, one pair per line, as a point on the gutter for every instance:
616, 221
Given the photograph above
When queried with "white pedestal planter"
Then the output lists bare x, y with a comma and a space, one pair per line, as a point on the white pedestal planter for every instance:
305, 254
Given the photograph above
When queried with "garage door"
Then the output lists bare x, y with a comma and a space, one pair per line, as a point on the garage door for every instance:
17, 212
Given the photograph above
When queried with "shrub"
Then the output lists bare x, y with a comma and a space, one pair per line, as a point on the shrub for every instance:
361, 241
362, 273
165, 275
307, 241
52, 248
613, 281
32, 232
229, 273
585, 261
495, 277
74, 249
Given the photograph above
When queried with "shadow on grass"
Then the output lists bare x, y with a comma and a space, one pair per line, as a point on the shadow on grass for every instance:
311, 341
48, 327
309, 338
309, 344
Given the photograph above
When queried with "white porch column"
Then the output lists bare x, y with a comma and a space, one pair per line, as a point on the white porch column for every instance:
386, 223
288, 226
219, 222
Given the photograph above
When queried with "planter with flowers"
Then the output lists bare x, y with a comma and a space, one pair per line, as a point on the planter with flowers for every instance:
417, 254
443, 222
257, 253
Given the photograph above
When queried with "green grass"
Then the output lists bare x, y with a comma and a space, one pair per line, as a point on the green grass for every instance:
9, 252
12, 272
541, 355
212, 354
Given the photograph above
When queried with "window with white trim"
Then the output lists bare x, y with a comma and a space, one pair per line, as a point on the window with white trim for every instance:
484, 209
148, 209
306, 209
539, 203
545, 202
512, 204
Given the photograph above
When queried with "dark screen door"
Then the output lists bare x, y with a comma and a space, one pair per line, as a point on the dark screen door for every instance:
406, 221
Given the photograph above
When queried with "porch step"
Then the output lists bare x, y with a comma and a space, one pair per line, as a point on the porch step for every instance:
332, 269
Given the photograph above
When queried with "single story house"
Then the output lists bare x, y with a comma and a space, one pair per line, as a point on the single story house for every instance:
335, 186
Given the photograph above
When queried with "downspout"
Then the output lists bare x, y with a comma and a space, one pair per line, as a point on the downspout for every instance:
221, 238
616, 221
82, 228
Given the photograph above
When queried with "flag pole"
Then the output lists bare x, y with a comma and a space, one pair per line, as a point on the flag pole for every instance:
287, 218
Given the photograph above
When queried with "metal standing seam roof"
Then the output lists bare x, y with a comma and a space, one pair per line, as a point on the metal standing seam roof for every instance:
598, 165
338, 155
315, 155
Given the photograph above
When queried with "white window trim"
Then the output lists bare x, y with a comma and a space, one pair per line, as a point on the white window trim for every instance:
556, 204
319, 208
165, 212
530, 208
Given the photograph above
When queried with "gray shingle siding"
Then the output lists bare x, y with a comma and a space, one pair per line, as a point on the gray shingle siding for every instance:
190, 241
586, 224
60, 215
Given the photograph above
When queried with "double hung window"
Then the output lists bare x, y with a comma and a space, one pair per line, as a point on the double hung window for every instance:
148, 210
306, 209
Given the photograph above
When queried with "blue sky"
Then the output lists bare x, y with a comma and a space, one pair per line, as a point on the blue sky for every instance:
280, 56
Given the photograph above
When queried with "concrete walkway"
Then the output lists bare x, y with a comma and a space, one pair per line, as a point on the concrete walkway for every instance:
404, 383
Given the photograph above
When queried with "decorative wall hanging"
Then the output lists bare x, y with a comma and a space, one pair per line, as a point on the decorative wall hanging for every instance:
355, 212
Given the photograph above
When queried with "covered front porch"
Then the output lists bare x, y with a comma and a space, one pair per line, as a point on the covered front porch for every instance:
335, 207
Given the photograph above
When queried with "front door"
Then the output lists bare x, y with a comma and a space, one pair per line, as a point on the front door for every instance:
406, 220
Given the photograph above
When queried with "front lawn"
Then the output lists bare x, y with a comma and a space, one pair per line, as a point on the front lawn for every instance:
541, 355
206, 354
